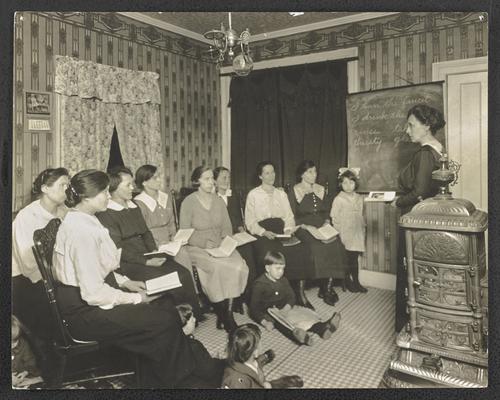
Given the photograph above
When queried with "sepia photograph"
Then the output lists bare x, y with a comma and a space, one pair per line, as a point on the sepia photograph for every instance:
161, 224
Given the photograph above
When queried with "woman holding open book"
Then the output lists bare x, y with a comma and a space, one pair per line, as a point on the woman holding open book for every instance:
100, 304
311, 205
222, 278
233, 204
130, 233
157, 209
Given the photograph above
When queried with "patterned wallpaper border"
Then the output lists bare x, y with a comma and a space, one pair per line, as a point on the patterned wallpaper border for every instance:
113, 24
363, 33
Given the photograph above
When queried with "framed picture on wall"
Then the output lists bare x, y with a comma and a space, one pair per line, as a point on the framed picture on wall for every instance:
37, 102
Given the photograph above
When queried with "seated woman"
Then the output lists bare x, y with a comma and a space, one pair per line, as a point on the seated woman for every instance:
311, 207
224, 278
157, 209
29, 301
268, 213
233, 204
128, 230
100, 304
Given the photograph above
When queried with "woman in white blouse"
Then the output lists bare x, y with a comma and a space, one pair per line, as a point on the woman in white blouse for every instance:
29, 303
268, 214
101, 305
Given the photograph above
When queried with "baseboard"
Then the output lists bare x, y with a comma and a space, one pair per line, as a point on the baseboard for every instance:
379, 280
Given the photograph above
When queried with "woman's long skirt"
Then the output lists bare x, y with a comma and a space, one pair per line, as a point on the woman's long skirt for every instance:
221, 278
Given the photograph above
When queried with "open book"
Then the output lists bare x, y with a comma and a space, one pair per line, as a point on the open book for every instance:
326, 232
381, 196
163, 283
243, 238
226, 248
278, 315
183, 235
171, 249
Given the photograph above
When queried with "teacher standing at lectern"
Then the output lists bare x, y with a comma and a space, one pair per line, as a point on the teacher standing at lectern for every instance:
416, 184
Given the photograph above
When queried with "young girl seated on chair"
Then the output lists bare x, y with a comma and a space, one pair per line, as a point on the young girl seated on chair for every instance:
273, 301
244, 370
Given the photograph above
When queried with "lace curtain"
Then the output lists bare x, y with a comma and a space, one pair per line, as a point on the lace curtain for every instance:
92, 99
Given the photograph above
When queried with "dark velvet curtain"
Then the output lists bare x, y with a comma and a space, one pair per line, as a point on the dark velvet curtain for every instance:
255, 131
288, 115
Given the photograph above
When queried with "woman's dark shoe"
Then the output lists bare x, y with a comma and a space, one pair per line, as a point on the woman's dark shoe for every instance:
219, 313
349, 284
266, 357
301, 296
229, 322
357, 286
327, 293
238, 305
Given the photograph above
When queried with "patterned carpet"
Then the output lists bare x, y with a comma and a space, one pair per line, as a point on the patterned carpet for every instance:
356, 356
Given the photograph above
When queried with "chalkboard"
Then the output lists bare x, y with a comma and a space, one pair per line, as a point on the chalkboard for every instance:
376, 130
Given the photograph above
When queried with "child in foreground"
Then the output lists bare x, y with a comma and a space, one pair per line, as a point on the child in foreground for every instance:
24, 369
243, 370
209, 370
273, 302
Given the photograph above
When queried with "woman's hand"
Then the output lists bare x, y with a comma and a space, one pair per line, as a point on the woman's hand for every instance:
270, 235
155, 262
393, 203
211, 244
148, 299
241, 229
134, 286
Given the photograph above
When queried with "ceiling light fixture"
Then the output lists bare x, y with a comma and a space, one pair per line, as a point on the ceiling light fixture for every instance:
224, 44
296, 14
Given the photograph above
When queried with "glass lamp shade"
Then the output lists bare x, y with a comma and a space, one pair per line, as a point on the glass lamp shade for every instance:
242, 65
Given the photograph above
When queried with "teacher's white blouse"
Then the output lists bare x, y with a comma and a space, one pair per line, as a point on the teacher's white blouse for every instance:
84, 255
261, 205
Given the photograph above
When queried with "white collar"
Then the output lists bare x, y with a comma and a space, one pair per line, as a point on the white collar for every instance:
151, 202
301, 191
439, 148
253, 366
113, 205
228, 193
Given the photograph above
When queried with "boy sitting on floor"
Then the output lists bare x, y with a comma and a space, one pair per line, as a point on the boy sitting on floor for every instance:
273, 301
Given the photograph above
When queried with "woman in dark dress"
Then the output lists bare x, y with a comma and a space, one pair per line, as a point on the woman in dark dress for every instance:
128, 229
100, 304
416, 184
267, 214
233, 203
311, 207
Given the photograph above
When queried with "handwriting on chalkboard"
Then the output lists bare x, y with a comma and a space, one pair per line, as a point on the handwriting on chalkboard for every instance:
376, 126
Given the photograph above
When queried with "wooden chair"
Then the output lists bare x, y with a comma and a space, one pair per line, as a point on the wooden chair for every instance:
65, 347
